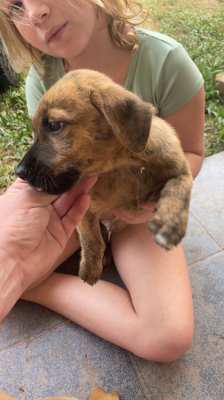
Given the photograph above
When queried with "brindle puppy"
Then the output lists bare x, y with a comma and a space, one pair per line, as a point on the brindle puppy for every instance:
86, 124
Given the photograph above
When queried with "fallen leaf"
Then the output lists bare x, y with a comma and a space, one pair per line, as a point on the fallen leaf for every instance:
100, 394
5, 396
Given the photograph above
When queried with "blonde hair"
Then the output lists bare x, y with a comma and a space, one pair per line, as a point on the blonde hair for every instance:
121, 14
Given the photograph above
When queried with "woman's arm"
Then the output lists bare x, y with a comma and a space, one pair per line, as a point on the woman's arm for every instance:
189, 123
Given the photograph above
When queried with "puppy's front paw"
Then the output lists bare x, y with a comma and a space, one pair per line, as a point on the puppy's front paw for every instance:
88, 273
168, 234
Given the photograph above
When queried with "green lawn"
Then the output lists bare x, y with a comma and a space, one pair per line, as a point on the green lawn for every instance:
201, 30
15, 132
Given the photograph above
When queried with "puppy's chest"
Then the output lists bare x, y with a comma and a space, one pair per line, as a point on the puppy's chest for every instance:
126, 188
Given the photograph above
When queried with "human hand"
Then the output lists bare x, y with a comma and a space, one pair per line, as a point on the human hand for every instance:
35, 227
136, 217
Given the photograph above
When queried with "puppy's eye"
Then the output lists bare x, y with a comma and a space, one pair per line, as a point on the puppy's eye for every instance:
54, 126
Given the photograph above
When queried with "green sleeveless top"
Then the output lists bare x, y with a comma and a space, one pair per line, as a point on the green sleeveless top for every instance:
160, 72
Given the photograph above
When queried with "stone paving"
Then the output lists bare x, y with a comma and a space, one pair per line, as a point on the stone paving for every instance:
42, 354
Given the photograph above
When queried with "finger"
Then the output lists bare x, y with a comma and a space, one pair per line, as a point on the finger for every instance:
64, 202
75, 214
87, 183
122, 214
30, 196
18, 185
134, 217
149, 206
39, 198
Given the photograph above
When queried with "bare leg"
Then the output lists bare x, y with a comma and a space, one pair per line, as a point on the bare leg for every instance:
153, 318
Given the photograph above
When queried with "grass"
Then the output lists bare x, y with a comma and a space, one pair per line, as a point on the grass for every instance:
200, 29
15, 132
193, 23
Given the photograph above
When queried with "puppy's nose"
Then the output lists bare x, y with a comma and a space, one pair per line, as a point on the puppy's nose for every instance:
21, 171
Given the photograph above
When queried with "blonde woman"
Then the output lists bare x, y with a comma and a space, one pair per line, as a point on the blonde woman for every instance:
152, 316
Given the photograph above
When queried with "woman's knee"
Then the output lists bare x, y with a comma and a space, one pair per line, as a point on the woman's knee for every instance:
167, 345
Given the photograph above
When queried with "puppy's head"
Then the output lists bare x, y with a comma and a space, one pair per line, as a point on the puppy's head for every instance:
85, 124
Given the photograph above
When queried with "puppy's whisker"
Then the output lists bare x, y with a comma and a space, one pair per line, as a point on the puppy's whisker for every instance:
44, 184
51, 182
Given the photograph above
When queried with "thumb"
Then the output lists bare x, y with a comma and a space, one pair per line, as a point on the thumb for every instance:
75, 214
29, 196
149, 206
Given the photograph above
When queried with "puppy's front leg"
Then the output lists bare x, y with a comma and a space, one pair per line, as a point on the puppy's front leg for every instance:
170, 221
92, 248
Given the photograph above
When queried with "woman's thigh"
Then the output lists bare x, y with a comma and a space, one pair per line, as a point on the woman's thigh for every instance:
157, 279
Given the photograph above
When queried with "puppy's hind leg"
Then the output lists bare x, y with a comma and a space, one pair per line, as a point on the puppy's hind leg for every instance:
170, 221
92, 248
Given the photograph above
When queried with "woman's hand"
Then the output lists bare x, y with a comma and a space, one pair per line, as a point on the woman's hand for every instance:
35, 227
138, 217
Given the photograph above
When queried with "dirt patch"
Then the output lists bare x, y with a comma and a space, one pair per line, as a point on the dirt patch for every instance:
210, 7
206, 4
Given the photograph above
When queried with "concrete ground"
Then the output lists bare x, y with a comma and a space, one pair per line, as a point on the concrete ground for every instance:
42, 354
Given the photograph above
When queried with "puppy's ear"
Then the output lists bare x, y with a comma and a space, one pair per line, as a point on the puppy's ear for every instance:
129, 117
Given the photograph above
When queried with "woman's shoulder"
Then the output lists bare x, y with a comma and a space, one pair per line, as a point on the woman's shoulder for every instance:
150, 57
37, 84
155, 41
158, 53
52, 70
159, 71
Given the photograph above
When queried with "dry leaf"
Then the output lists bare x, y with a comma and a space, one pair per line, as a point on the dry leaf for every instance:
100, 394
5, 396
96, 394
58, 398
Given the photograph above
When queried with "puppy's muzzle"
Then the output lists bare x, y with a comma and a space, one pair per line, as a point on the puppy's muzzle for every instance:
40, 176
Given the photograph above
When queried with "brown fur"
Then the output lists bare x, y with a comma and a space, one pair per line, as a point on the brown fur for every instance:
137, 156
